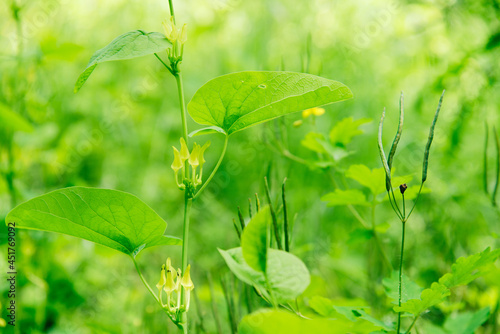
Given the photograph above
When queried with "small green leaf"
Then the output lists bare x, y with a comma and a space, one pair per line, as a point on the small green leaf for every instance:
130, 45
11, 121
429, 297
237, 101
206, 131
266, 321
374, 179
287, 275
410, 289
310, 141
467, 322
254, 240
345, 197
343, 132
108, 217
465, 270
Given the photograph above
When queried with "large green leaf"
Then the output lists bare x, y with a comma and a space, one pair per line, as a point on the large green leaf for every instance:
254, 240
130, 45
237, 101
108, 217
287, 275
465, 270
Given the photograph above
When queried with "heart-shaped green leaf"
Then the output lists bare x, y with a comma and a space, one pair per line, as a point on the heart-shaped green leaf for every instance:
108, 217
237, 101
130, 45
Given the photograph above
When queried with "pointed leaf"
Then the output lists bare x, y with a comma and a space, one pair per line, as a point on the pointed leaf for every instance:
254, 240
108, 217
130, 45
237, 101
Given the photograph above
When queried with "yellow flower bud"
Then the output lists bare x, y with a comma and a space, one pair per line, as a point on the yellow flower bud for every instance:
170, 284
318, 111
193, 157
306, 113
163, 279
184, 151
183, 34
297, 123
177, 164
202, 151
186, 282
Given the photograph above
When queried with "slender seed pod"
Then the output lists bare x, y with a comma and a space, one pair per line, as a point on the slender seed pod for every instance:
285, 217
395, 142
495, 190
250, 208
257, 202
237, 229
429, 140
382, 153
485, 159
242, 220
273, 216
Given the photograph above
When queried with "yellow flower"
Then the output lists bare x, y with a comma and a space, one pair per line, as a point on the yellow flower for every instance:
187, 284
313, 111
177, 164
184, 151
183, 34
318, 111
193, 157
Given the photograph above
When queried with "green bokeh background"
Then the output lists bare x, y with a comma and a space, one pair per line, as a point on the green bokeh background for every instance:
117, 133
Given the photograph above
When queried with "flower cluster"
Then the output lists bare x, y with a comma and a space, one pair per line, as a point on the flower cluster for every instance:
195, 159
309, 112
172, 282
178, 38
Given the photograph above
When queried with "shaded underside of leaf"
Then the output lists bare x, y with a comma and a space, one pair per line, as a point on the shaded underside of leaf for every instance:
236, 101
130, 45
287, 275
108, 217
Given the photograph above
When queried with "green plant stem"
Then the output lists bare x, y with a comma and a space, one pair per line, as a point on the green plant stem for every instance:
185, 246
224, 148
412, 324
171, 6
403, 222
145, 282
377, 240
180, 89
9, 175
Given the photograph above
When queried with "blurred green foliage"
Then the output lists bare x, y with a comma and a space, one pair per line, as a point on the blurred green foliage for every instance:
118, 130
